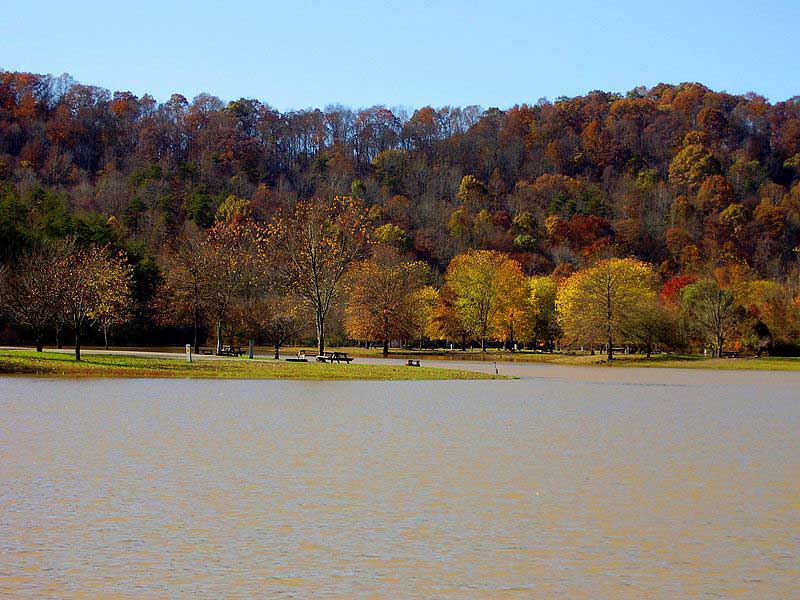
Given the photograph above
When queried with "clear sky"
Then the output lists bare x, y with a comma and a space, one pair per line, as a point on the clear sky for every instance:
300, 53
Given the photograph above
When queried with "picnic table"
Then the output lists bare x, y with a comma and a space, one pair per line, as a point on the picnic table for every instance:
230, 351
331, 357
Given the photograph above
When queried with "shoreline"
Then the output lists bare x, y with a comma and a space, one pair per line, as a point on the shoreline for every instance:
369, 365
129, 364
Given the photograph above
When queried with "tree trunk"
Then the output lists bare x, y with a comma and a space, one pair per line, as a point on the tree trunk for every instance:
195, 341
483, 344
219, 336
385, 347
720, 340
277, 351
39, 345
78, 343
320, 333
609, 315
105, 335
464, 342
59, 345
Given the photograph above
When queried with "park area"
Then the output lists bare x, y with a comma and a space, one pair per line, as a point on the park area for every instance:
61, 364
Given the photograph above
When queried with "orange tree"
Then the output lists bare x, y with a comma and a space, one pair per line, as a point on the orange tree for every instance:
231, 265
513, 318
382, 297
445, 320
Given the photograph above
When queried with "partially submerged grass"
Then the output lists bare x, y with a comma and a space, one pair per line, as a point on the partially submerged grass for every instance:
598, 359
766, 363
59, 364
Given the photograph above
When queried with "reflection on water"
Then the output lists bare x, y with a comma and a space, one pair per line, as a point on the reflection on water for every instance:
530, 488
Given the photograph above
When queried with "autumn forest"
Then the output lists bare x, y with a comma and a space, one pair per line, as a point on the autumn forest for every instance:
663, 219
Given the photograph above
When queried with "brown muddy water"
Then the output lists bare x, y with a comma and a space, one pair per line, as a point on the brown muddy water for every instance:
576, 483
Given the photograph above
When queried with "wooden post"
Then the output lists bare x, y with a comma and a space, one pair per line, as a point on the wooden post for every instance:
250, 349
188, 353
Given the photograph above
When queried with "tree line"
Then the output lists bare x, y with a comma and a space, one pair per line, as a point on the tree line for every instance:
277, 281
702, 187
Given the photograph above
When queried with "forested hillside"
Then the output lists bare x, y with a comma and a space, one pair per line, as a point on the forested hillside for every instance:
700, 187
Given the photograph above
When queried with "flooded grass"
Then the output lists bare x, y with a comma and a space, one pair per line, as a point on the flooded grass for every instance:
682, 361
60, 364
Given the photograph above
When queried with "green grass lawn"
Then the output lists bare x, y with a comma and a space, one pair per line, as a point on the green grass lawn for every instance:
59, 364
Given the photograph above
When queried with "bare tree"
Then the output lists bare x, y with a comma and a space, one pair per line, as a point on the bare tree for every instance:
230, 261
276, 317
184, 296
84, 293
311, 248
31, 291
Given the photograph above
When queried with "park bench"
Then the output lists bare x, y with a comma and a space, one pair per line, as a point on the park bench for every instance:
230, 351
301, 357
731, 354
331, 357
208, 351
412, 363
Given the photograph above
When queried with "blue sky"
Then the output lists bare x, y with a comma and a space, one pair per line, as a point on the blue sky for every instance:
299, 54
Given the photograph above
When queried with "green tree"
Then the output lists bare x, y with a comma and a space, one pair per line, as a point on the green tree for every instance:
710, 310
545, 327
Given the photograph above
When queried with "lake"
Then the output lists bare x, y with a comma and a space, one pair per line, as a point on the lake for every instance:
572, 482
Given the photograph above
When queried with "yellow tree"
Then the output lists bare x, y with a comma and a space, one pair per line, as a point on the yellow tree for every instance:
600, 302
93, 282
512, 319
475, 278
113, 280
382, 297
425, 300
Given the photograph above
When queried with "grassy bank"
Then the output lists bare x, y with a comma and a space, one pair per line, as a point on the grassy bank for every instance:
589, 360
58, 364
